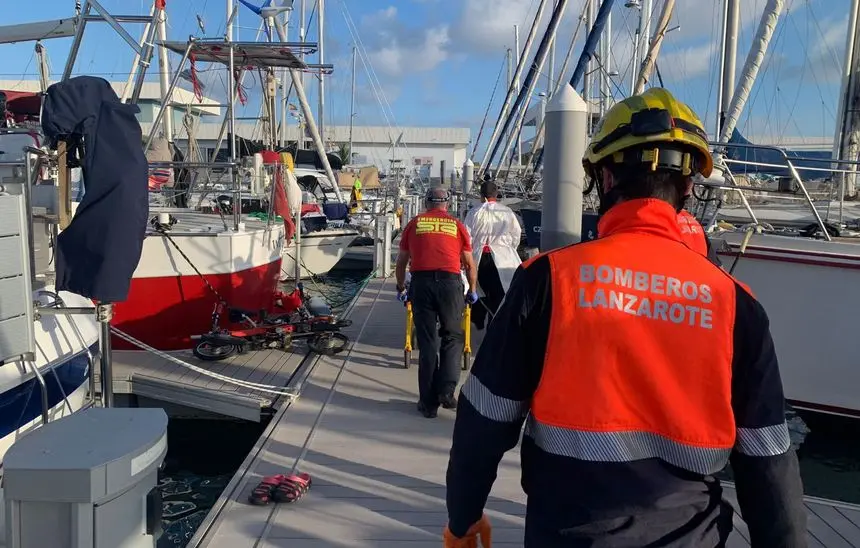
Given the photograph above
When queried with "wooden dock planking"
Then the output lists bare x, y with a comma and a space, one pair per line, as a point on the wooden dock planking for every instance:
150, 375
379, 467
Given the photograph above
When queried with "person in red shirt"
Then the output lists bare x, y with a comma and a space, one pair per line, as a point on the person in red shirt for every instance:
436, 247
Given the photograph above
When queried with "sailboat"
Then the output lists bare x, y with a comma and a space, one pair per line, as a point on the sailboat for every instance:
192, 260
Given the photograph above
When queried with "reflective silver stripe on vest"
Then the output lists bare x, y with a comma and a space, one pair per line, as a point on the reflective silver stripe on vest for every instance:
490, 405
763, 442
624, 447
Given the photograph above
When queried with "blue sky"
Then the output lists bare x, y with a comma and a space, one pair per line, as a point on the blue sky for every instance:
436, 60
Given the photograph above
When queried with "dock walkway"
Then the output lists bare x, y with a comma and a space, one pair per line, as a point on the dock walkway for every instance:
378, 467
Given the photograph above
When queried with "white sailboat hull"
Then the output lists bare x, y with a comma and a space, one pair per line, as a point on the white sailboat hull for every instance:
62, 343
320, 252
809, 289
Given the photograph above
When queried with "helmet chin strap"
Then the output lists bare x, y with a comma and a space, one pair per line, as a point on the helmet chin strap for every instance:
607, 199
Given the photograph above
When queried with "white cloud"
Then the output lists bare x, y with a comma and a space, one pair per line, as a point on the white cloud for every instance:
397, 50
488, 25
384, 16
688, 62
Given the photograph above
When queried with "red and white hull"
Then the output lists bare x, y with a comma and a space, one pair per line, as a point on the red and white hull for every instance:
809, 289
168, 301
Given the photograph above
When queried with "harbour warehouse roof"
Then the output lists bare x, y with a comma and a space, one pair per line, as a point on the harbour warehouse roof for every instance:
379, 135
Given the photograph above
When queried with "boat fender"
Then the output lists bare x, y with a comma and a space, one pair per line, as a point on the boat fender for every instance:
317, 306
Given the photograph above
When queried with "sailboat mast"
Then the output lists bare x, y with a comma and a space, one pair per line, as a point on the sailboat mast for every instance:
285, 97
482, 168
845, 137
44, 71
654, 47
586, 77
767, 25
517, 84
231, 81
302, 38
550, 71
321, 32
643, 38
730, 56
510, 57
164, 75
352, 106
518, 111
605, 55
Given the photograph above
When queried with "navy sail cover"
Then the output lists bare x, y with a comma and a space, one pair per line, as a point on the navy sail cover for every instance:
98, 252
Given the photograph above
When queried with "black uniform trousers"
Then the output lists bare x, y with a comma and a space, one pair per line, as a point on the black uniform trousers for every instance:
437, 297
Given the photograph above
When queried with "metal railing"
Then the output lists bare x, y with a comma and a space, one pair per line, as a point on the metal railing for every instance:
788, 164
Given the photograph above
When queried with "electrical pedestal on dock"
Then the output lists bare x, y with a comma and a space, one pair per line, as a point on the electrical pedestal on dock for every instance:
87, 481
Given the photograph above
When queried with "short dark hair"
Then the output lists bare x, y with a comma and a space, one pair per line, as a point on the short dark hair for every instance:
634, 182
489, 189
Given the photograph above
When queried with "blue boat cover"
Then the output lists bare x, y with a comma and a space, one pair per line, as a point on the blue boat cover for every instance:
335, 211
799, 157
100, 249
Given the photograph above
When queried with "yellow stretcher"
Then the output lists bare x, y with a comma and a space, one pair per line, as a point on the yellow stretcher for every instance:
410, 337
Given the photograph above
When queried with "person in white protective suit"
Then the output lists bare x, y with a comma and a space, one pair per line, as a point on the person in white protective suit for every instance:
495, 233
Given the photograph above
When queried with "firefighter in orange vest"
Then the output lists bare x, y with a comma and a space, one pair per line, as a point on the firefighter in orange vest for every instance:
639, 368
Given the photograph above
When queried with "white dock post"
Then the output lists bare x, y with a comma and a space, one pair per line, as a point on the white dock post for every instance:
468, 176
563, 175
468, 180
415, 207
298, 247
382, 246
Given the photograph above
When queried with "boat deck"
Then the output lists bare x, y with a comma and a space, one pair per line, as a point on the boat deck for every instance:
148, 375
379, 467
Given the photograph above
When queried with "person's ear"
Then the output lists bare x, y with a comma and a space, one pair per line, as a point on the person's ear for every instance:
688, 190
608, 179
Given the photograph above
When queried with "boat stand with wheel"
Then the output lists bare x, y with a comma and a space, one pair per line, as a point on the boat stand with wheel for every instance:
467, 332
410, 336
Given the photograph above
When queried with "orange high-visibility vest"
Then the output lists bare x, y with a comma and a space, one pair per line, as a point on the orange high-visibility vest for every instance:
638, 359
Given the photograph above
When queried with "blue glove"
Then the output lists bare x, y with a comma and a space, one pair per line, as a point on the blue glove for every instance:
402, 296
472, 297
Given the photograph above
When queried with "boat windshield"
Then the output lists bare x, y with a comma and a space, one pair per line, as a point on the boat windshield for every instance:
12, 146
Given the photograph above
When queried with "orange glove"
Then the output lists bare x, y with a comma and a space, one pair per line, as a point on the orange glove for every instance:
480, 530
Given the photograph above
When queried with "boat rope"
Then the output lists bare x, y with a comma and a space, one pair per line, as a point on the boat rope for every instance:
268, 388
487, 112
163, 231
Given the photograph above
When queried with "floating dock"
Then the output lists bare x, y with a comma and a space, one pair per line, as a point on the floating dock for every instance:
378, 467
154, 377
